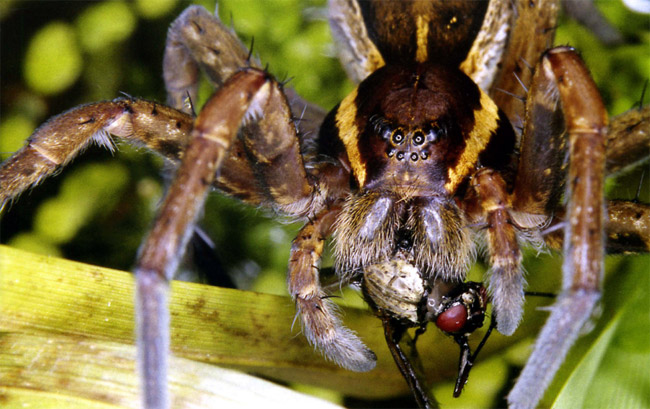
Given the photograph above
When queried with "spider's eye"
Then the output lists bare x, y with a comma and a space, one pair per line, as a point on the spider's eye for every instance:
381, 127
418, 138
434, 134
398, 136
453, 319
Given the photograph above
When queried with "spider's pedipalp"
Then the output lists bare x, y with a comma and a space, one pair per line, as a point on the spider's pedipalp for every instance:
320, 322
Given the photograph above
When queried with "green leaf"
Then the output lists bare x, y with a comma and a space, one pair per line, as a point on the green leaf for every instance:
67, 328
615, 370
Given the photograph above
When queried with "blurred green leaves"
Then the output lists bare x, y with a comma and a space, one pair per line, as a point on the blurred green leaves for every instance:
58, 219
102, 25
99, 194
154, 8
53, 60
14, 130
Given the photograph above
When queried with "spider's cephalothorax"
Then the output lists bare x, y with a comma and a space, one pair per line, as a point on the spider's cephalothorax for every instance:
406, 173
412, 135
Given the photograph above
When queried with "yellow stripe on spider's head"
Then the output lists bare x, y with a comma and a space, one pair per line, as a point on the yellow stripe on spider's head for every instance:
346, 116
422, 38
486, 122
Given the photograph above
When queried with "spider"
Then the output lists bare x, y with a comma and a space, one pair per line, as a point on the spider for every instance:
379, 210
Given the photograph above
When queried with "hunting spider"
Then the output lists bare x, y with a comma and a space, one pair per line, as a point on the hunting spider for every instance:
467, 131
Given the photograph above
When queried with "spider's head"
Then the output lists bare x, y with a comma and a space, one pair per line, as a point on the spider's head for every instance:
417, 130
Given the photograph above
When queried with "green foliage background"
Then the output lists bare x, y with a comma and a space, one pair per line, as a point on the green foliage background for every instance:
55, 55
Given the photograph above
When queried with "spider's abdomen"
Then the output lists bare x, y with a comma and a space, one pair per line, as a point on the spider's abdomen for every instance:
417, 31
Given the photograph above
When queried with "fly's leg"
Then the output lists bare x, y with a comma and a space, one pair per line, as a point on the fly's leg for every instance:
467, 359
586, 121
402, 348
320, 322
59, 140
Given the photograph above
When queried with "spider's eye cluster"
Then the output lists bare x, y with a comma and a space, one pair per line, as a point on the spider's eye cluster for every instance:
407, 143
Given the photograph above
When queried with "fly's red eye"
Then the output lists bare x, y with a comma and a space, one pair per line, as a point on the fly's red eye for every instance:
453, 319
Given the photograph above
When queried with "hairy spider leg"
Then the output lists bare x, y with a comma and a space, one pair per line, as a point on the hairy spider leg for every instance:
215, 128
320, 322
55, 143
278, 178
586, 121
506, 282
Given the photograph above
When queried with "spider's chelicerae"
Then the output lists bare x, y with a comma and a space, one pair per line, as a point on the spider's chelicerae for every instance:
466, 131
